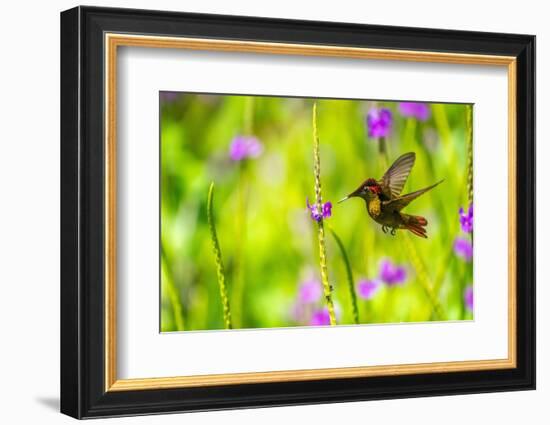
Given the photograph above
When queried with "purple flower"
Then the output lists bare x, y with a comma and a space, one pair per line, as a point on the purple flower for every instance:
463, 248
467, 219
310, 291
367, 288
420, 111
379, 122
392, 274
320, 317
243, 147
326, 210
469, 298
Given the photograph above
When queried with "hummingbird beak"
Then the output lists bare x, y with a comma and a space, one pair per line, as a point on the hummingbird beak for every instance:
351, 195
343, 199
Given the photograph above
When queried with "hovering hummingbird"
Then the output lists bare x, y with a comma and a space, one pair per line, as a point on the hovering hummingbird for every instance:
385, 202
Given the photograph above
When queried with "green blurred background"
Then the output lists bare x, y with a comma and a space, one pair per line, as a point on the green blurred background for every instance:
268, 239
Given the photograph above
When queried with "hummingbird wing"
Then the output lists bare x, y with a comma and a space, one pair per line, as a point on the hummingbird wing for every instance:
401, 202
394, 179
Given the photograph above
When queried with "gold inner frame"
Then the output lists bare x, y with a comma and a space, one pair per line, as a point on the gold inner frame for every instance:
113, 41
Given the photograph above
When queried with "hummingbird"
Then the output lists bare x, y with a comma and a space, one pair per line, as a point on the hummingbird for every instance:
385, 202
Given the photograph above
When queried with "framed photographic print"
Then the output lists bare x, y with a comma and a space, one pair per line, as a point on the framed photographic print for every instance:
261, 212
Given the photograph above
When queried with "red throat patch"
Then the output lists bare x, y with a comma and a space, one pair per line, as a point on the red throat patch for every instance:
373, 186
376, 189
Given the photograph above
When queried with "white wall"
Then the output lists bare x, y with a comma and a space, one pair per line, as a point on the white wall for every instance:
29, 214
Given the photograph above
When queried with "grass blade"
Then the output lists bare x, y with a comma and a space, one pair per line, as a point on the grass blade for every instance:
349, 275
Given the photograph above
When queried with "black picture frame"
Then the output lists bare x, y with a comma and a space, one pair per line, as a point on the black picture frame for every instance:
83, 392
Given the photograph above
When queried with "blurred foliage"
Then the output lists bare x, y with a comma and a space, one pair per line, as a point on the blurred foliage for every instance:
267, 237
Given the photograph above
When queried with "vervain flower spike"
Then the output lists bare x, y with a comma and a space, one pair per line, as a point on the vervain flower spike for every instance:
218, 258
327, 290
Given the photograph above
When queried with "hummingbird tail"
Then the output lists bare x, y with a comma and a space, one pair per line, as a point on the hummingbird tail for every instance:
416, 219
416, 225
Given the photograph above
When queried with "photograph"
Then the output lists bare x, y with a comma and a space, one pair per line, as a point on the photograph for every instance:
279, 212
262, 211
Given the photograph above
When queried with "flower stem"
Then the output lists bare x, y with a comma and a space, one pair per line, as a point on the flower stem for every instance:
349, 274
320, 225
424, 278
383, 152
237, 293
239, 278
470, 142
172, 293
442, 123
443, 270
412, 125
218, 257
